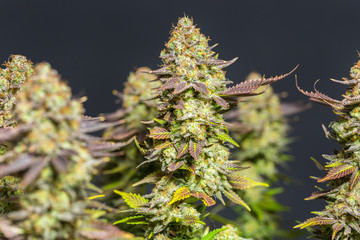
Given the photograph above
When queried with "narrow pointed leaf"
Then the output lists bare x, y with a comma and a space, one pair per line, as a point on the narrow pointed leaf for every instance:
211, 235
201, 87
124, 220
159, 133
163, 145
180, 194
168, 117
241, 182
142, 150
174, 166
355, 177
208, 201
151, 178
336, 228
182, 149
133, 200
171, 83
315, 221
180, 105
232, 196
338, 172
180, 87
194, 149
221, 102
225, 137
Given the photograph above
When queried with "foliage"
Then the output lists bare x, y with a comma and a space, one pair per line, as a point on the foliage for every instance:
340, 218
189, 138
17, 70
120, 172
258, 124
50, 151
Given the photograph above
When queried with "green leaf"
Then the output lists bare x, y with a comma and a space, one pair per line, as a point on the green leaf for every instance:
133, 200
162, 122
224, 137
211, 235
315, 221
338, 172
180, 194
126, 220
241, 182
151, 178
142, 150
232, 196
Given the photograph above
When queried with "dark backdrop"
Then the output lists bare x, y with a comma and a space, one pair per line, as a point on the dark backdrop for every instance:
94, 44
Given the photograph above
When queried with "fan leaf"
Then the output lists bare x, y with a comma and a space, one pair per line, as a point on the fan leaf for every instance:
232, 196
225, 137
315, 221
338, 172
241, 182
133, 200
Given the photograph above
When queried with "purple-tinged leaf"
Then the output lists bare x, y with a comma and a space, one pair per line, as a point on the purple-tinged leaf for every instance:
338, 226
23, 162
182, 150
212, 62
174, 166
180, 87
316, 221
34, 171
227, 63
160, 71
195, 149
321, 98
59, 163
201, 87
163, 145
232, 196
221, 102
355, 177
171, 83
10, 133
180, 105
168, 117
159, 133
208, 201
338, 172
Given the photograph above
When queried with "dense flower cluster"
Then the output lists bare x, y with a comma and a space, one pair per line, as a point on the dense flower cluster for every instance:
190, 139
48, 152
340, 218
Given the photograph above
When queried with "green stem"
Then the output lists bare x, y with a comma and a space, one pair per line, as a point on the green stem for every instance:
221, 219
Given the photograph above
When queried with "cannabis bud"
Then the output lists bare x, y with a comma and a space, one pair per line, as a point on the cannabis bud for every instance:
190, 139
340, 218
260, 128
120, 172
48, 152
12, 77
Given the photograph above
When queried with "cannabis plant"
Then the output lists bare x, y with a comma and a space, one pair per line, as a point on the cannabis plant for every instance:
259, 126
190, 139
120, 172
340, 218
50, 151
17, 70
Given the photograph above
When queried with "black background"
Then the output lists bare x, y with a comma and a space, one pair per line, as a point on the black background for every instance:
94, 45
